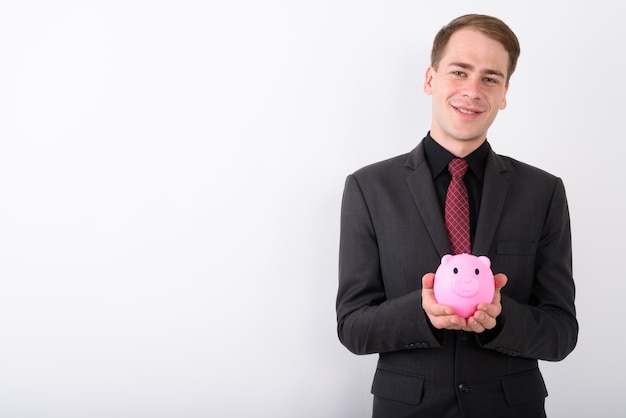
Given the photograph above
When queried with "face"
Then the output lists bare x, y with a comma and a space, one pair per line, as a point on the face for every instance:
468, 88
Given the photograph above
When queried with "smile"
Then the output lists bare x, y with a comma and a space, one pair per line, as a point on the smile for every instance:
465, 111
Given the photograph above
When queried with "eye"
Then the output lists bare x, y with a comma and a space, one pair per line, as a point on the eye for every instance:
456, 270
477, 272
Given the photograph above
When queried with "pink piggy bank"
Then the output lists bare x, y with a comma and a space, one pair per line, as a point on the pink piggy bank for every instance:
463, 281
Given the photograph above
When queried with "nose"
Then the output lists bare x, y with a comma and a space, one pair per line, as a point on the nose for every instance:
471, 89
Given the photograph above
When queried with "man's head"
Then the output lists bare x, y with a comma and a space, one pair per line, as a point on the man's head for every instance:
490, 26
472, 60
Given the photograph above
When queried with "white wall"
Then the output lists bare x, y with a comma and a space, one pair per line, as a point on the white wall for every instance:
170, 183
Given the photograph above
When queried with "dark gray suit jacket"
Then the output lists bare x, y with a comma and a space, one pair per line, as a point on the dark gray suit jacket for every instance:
392, 233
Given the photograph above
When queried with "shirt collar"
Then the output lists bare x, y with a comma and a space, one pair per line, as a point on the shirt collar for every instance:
438, 158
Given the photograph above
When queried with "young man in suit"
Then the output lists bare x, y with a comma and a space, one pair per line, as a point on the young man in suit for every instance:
433, 363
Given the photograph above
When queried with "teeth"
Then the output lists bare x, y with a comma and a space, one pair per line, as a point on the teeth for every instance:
467, 112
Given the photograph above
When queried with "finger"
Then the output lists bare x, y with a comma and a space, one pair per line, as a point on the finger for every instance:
428, 281
492, 310
475, 326
428, 297
484, 320
449, 322
435, 311
433, 308
495, 308
500, 280
457, 322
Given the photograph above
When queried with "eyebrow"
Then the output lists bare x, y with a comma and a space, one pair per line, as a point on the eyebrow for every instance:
471, 67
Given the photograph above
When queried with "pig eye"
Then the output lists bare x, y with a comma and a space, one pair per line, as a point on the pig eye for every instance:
477, 272
456, 270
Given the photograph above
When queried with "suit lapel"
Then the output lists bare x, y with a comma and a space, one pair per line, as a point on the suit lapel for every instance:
420, 183
422, 189
495, 188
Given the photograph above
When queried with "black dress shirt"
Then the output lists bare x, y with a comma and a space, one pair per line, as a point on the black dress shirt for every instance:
438, 158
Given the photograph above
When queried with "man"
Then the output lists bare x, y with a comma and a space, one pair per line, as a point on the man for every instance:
433, 363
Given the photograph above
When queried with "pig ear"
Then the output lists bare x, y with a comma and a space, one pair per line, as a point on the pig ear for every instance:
446, 258
486, 261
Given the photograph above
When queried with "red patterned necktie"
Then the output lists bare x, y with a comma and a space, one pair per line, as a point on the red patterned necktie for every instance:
457, 208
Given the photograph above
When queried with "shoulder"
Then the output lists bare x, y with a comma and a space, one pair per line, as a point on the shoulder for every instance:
392, 168
528, 179
381, 178
521, 170
383, 167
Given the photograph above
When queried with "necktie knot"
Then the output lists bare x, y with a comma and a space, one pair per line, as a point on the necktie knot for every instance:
457, 167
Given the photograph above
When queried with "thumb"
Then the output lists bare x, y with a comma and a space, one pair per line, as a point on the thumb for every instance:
428, 280
500, 280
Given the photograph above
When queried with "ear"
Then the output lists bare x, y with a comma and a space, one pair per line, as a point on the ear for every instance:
485, 260
428, 80
446, 258
503, 102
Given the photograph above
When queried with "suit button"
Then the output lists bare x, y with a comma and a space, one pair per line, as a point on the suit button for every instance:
465, 388
464, 336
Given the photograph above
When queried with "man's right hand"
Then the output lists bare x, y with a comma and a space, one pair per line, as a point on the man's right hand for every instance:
441, 316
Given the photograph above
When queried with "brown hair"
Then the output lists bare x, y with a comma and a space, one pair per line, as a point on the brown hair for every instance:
492, 27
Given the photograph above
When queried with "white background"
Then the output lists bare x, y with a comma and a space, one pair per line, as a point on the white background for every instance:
170, 184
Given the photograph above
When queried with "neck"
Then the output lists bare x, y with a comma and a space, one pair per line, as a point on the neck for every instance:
458, 147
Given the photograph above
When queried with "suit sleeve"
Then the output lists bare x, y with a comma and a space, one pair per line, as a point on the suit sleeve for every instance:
546, 327
367, 322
